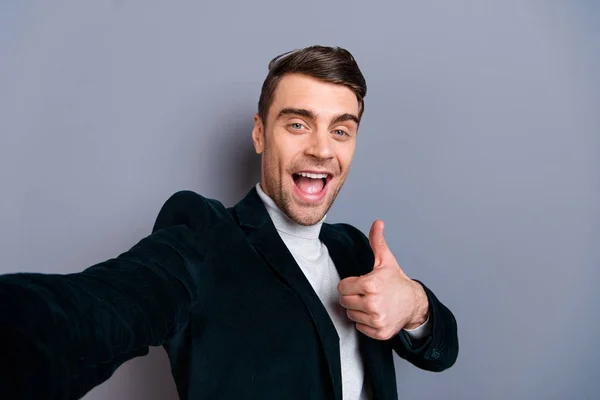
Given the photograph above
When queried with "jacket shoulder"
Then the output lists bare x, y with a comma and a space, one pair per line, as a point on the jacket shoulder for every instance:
355, 244
349, 234
188, 208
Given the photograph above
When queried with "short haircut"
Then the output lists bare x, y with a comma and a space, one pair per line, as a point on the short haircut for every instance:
329, 64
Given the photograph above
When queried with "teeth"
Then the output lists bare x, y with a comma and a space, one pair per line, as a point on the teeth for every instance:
313, 176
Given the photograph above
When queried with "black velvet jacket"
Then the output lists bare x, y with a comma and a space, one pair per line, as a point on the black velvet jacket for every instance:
220, 291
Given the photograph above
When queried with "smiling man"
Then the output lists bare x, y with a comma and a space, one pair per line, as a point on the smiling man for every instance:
263, 300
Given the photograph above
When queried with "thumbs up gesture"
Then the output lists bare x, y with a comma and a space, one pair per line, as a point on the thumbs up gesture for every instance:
384, 301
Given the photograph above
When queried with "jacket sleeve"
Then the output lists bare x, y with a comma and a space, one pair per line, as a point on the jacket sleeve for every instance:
62, 335
440, 350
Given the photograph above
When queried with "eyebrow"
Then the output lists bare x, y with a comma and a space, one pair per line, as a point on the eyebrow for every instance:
297, 111
344, 118
311, 115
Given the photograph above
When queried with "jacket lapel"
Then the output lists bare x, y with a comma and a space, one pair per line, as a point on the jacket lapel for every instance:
352, 260
260, 231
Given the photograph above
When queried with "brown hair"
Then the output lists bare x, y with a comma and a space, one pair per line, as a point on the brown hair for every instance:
329, 64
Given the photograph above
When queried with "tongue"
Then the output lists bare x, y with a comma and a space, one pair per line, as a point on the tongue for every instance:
309, 185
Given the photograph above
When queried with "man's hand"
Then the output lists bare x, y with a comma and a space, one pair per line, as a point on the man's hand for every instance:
385, 300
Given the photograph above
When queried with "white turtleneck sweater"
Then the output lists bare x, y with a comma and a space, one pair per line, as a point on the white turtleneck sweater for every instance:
313, 259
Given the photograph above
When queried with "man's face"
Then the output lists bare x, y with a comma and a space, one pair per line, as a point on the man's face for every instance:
307, 145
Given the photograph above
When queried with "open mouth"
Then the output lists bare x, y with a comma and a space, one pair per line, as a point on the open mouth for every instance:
311, 183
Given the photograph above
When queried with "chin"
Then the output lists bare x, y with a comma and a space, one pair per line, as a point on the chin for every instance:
308, 214
309, 220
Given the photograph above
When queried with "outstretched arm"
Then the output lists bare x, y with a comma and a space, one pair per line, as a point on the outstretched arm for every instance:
61, 335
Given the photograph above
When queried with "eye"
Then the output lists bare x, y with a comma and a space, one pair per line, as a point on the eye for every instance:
340, 133
296, 126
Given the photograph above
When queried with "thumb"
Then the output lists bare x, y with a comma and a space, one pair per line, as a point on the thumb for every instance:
380, 248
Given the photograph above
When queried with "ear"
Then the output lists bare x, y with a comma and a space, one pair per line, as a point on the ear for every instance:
258, 134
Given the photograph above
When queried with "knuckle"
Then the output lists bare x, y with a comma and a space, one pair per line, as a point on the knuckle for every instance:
371, 285
371, 305
379, 322
383, 334
374, 285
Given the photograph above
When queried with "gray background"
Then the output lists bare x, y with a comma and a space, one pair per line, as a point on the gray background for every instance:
479, 149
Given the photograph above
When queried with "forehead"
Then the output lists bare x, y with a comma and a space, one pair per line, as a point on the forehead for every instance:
323, 98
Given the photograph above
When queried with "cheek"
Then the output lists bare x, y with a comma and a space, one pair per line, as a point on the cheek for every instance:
288, 155
274, 159
345, 155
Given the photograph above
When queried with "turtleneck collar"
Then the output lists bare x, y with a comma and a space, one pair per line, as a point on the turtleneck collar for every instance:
284, 224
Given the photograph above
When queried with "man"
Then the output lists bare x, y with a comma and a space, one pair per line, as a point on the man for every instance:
262, 300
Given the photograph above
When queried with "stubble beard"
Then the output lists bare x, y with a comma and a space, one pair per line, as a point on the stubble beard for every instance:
307, 215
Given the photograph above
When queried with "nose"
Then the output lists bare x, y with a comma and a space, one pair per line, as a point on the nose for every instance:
320, 145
